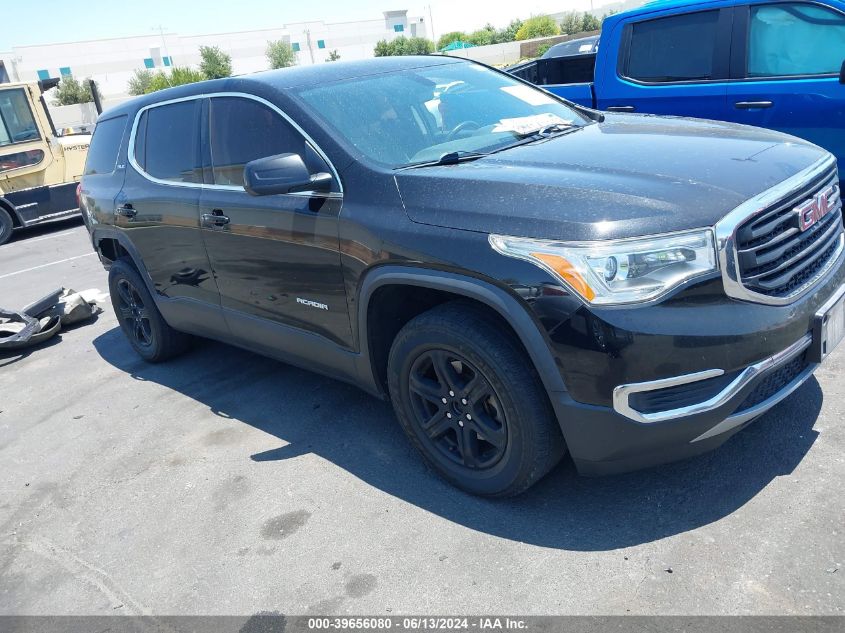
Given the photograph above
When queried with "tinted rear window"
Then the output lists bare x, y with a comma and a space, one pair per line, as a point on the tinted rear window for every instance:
677, 48
102, 155
167, 142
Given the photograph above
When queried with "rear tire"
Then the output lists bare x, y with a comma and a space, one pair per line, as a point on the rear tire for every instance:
6, 226
495, 435
147, 331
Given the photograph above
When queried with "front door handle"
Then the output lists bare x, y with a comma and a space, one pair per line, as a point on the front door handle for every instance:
126, 210
623, 108
215, 218
750, 105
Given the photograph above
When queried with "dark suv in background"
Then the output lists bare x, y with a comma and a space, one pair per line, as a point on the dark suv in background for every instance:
519, 275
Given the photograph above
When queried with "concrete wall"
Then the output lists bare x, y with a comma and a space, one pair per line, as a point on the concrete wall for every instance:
511, 52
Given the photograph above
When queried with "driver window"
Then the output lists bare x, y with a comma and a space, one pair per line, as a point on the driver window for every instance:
242, 130
16, 122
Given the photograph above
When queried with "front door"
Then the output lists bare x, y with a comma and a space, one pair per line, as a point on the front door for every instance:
158, 207
787, 59
276, 257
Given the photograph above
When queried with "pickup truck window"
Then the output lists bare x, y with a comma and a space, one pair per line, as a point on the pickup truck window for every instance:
779, 36
420, 114
242, 130
167, 142
17, 124
676, 48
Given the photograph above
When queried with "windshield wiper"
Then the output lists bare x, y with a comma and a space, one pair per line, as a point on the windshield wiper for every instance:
550, 131
449, 158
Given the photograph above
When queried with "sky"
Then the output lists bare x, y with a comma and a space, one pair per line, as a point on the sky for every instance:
28, 22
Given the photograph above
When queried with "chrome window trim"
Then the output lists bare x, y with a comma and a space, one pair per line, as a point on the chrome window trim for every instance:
727, 227
130, 150
621, 394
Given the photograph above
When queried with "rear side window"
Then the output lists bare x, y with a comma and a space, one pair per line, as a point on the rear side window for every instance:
167, 142
795, 39
677, 48
102, 155
242, 130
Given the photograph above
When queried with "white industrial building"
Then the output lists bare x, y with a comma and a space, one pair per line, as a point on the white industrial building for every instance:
111, 62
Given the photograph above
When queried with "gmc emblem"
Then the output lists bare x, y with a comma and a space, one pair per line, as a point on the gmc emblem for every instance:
816, 207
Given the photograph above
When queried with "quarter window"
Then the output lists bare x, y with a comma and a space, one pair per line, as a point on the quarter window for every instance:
17, 124
795, 39
167, 142
677, 48
102, 155
242, 130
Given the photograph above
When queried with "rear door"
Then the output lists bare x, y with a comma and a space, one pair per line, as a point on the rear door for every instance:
668, 64
276, 257
102, 178
159, 205
786, 63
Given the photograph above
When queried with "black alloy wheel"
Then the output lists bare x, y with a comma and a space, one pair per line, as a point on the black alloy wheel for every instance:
134, 314
457, 410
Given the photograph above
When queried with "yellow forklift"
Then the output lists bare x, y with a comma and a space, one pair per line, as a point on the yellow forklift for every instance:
39, 169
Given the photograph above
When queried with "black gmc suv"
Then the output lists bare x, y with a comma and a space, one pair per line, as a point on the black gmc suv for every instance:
521, 276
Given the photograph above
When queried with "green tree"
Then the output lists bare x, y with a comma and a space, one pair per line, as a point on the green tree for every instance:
178, 76
590, 22
70, 91
483, 36
215, 63
537, 26
139, 82
447, 38
333, 56
280, 54
508, 34
403, 46
571, 23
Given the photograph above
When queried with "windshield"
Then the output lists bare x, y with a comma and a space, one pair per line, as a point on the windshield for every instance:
16, 122
418, 115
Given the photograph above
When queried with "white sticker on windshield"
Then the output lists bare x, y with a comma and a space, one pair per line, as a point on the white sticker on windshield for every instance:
529, 124
585, 48
529, 95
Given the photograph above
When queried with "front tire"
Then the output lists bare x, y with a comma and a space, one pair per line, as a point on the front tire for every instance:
147, 331
470, 400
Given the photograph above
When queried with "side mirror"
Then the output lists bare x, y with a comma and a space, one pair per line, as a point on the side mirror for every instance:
283, 173
842, 74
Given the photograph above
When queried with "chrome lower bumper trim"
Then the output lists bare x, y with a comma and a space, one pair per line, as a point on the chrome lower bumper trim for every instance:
759, 409
622, 393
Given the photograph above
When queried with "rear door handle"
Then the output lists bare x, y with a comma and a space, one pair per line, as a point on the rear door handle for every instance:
215, 218
126, 210
623, 108
750, 105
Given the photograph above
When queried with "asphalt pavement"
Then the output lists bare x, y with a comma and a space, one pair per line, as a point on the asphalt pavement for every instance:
226, 483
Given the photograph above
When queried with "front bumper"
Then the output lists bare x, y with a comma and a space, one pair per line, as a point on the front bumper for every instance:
670, 418
603, 441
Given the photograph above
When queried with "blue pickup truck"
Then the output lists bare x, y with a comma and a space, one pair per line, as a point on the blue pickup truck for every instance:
778, 65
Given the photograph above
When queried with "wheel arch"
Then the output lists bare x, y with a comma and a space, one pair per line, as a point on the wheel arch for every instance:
111, 244
442, 286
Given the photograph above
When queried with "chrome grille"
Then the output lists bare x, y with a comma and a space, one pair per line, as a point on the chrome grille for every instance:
775, 257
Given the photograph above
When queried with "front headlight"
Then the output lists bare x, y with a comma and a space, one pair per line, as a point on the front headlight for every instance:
619, 272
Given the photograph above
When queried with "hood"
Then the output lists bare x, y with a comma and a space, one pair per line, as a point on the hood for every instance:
628, 176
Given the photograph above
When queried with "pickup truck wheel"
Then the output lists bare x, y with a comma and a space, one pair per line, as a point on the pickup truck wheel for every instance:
148, 333
471, 402
6, 226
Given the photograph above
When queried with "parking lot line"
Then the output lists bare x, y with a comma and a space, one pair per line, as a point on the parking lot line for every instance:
60, 261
